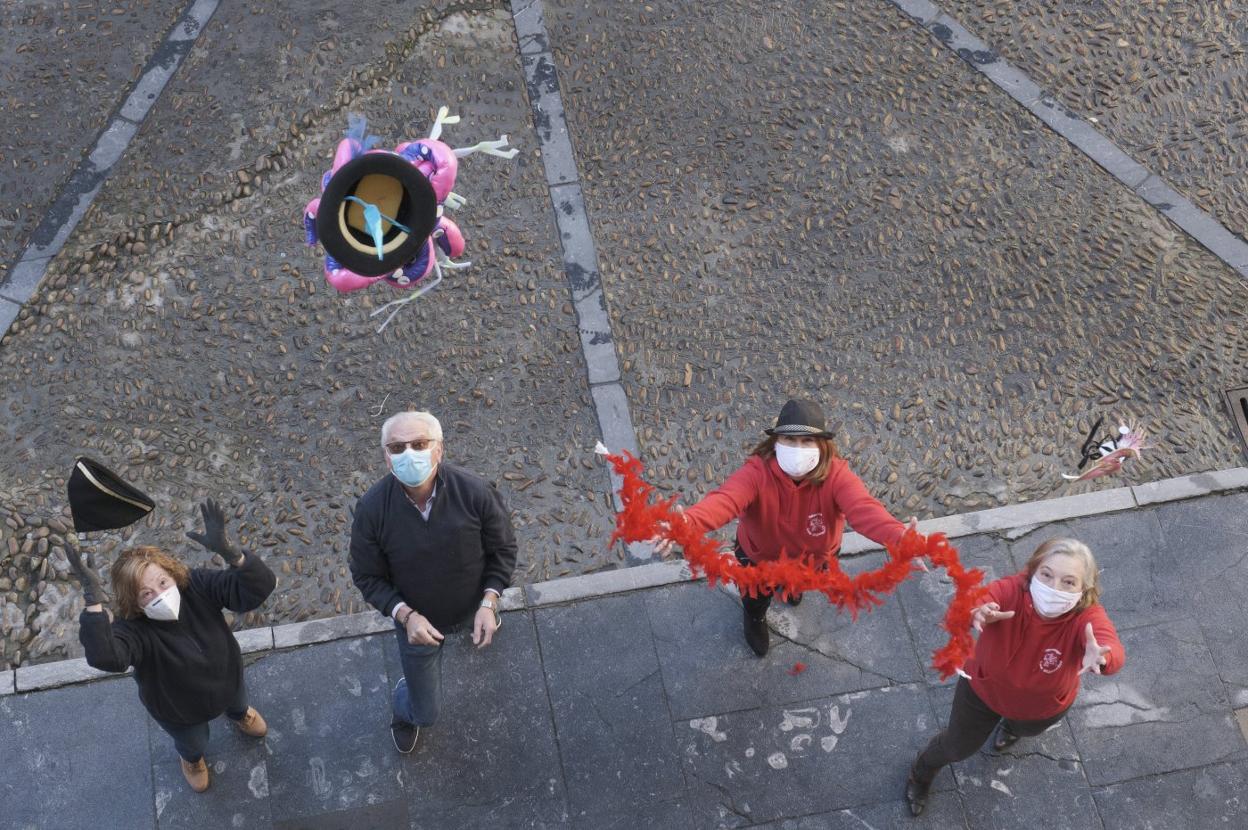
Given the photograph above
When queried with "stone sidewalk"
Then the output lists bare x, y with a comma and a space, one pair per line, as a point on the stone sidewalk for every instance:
644, 708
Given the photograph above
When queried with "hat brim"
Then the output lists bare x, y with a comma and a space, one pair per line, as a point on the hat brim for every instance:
399, 190
797, 431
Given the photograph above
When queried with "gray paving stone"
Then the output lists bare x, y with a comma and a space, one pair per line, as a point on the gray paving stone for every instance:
877, 643
530, 26
1197, 484
6, 682
1141, 580
943, 811
1168, 695
832, 753
254, 639
1209, 538
708, 668
23, 280
8, 313
491, 760
238, 766
573, 588
383, 816
1007, 791
661, 815
330, 628
328, 710
613, 418
542, 82
68, 770
112, 143
611, 717
59, 673
925, 597
1211, 796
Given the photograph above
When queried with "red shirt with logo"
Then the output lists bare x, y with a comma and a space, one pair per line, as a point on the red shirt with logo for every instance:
1027, 667
779, 515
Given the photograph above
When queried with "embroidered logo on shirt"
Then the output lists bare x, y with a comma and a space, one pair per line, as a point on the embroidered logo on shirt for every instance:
1050, 661
815, 525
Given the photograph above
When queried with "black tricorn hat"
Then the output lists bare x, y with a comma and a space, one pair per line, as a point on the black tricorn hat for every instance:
801, 418
100, 500
398, 190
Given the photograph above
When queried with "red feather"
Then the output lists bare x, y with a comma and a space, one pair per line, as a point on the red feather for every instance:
641, 520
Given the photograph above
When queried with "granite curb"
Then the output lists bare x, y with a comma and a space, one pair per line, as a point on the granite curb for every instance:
653, 575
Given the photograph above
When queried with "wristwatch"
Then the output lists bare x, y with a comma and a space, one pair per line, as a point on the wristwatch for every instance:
492, 604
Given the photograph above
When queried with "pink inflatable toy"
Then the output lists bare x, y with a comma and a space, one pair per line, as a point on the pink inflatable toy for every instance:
381, 213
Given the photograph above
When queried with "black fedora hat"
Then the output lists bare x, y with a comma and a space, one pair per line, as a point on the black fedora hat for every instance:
100, 500
390, 186
800, 417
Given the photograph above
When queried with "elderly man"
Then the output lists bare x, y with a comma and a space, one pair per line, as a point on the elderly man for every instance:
432, 547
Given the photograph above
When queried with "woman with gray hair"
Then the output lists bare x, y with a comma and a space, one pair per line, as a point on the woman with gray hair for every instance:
1045, 629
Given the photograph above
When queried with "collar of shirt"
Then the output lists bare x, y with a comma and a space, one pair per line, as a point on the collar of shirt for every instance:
424, 511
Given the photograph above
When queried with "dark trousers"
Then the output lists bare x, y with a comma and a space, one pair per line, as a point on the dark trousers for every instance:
417, 699
971, 722
757, 606
191, 741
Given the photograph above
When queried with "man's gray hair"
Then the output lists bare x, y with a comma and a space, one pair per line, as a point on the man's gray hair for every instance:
426, 418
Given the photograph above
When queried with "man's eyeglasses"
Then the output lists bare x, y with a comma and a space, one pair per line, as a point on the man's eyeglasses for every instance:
419, 444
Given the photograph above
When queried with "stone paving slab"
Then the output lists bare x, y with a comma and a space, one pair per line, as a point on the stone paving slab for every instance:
767, 763
708, 668
1211, 796
492, 759
612, 719
239, 770
52, 743
941, 813
329, 740
64, 70
1168, 695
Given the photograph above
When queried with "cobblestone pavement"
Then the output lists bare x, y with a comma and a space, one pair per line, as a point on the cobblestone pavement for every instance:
647, 709
1167, 81
62, 71
831, 206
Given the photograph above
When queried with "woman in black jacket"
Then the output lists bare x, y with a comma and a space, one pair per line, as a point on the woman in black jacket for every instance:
171, 630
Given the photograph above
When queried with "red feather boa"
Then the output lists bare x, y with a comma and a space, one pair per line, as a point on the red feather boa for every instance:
641, 520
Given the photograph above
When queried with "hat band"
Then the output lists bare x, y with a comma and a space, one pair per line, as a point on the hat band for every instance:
796, 428
83, 468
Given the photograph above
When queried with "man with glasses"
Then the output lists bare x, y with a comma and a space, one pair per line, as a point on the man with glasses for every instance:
432, 546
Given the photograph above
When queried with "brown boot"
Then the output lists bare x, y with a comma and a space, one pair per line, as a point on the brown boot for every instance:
252, 724
196, 774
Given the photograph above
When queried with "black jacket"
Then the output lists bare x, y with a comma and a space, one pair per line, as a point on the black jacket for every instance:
439, 567
189, 669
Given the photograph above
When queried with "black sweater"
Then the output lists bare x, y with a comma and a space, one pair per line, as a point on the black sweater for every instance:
439, 567
187, 669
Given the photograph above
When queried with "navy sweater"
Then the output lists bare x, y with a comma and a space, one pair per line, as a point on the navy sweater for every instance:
439, 567
188, 669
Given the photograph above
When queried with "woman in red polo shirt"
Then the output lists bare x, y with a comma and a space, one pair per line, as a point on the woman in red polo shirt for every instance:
1045, 628
792, 497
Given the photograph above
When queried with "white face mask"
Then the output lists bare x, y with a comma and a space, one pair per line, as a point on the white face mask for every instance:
166, 605
1051, 602
797, 461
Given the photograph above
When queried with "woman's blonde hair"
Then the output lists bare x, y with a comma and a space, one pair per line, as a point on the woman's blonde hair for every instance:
128, 570
827, 452
1076, 550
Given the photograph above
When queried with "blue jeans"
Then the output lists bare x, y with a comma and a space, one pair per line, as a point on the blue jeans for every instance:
190, 741
418, 699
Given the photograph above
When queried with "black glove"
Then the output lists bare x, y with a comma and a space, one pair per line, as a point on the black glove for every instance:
92, 590
213, 538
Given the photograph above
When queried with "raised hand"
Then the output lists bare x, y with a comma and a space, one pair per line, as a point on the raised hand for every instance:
662, 544
92, 590
213, 538
913, 524
1093, 652
987, 614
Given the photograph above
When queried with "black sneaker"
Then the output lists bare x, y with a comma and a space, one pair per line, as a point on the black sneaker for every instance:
756, 634
1004, 740
404, 735
916, 793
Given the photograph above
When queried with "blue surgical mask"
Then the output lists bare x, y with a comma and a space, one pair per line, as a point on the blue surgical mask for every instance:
413, 467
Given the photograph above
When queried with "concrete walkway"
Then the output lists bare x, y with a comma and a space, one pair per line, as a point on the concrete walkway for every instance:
644, 708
